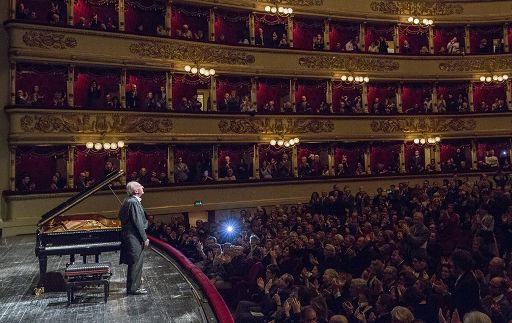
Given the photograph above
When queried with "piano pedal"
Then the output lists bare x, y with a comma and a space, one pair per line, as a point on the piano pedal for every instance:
38, 291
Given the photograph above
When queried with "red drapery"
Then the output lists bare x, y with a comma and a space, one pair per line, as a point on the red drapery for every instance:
409, 152
272, 89
304, 30
374, 32
108, 80
340, 33
510, 35
93, 161
313, 90
415, 94
488, 94
415, 35
28, 75
185, 85
151, 157
267, 153
354, 153
341, 89
198, 159
237, 154
453, 88
309, 151
387, 154
87, 8
40, 163
233, 26
381, 91
270, 24
242, 86
146, 81
490, 33
448, 149
148, 13
41, 9
195, 17
443, 35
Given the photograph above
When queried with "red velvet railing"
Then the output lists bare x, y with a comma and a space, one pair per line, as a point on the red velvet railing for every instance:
217, 303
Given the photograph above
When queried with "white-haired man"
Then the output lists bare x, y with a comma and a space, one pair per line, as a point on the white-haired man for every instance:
133, 237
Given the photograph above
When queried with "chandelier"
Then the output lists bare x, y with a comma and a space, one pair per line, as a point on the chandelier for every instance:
280, 142
494, 78
104, 145
280, 11
198, 69
427, 140
420, 22
355, 79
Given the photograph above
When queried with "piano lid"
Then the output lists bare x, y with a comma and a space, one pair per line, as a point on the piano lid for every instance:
76, 199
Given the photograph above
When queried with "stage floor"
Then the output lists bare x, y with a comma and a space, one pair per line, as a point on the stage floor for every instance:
172, 297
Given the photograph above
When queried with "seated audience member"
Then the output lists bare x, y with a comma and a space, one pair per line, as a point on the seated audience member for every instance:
59, 100
441, 104
95, 22
318, 42
442, 50
284, 167
161, 98
378, 107
82, 23
185, 105
161, 31
181, 171
195, 104
424, 50
144, 176
186, 33
223, 104
287, 107
274, 41
150, 102
36, 97
244, 40
230, 175
112, 102
162, 177
244, 170
21, 98
351, 46
25, 184
199, 36
22, 11
304, 167
283, 43
269, 107
431, 167
498, 46
246, 105
453, 46
132, 98
490, 160
154, 179
484, 47
206, 178
94, 95
383, 45
373, 47
259, 38
303, 106
406, 47
54, 19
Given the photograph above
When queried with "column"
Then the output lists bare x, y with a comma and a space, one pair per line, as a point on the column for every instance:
328, 93
121, 14
362, 34
215, 162
168, 18
428, 155
256, 162
467, 45
12, 9
470, 97
122, 163
434, 98
364, 97
367, 163
70, 166
295, 162
170, 163
12, 82
506, 45
70, 8
211, 25
292, 93
12, 168
399, 97
252, 32
70, 86
122, 88
254, 92
437, 156
396, 39
474, 157
327, 31
289, 30
402, 158
431, 39
213, 92
509, 94
168, 90
331, 161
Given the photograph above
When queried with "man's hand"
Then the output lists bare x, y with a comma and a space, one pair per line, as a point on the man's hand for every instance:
146, 243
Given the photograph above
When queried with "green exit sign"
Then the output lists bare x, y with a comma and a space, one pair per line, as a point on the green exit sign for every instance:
198, 203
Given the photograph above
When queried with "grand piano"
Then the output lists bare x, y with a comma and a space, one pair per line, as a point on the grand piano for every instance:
82, 234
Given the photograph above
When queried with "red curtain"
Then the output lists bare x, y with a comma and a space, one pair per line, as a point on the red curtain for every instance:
108, 80
234, 26
241, 85
304, 30
147, 13
28, 75
93, 161
185, 85
488, 94
354, 153
151, 157
340, 33
315, 92
448, 149
146, 81
267, 153
510, 35
415, 93
87, 8
196, 18
308, 151
272, 89
387, 154
381, 91
453, 88
374, 32
40, 163
341, 89
477, 33
444, 34
409, 154
270, 24
500, 146
415, 35
236, 154
197, 157
41, 9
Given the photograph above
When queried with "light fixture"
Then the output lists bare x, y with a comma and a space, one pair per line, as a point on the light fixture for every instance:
280, 142
355, 79
203, 71
429, 140
104, 145
420, 22
279, 10
495, 78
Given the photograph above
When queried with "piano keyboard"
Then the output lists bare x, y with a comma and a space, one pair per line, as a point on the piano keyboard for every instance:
84, 246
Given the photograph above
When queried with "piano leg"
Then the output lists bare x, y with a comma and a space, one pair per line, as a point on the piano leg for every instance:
97, 258
43, 264
72, 259
84, 258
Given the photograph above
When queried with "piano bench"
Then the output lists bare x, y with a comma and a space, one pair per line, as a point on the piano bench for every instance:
87, 275
71, 285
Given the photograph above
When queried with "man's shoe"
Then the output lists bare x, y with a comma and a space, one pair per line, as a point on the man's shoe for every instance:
140, 291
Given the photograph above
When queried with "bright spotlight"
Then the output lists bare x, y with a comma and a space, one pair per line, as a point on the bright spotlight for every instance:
230, 228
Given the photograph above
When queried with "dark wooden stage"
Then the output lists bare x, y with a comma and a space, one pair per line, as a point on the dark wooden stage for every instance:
172, 297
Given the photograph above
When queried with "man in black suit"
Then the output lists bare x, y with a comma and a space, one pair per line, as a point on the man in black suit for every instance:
132, 98
133, 237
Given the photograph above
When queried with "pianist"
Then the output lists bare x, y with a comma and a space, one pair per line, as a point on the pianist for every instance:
134, 239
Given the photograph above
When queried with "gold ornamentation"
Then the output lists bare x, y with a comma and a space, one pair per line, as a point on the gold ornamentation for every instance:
191, 52
304, 3
477, 64
416, 8
94, 123
422, 125
48, 40
276, 126
361, 64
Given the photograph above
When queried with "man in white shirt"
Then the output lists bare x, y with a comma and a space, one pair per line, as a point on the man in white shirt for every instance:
453, 46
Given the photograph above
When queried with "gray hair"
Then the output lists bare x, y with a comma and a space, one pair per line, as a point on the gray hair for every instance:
131, 186
476, 317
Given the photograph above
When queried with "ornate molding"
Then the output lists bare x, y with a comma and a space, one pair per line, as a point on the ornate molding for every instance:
94, 123
351, 63
477, 64
48, 40
304, 3
191, 52
276, 126
422, 125
416, 8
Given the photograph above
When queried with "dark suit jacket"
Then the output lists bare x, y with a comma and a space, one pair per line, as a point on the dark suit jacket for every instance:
133, 226
132, 101
466, 294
